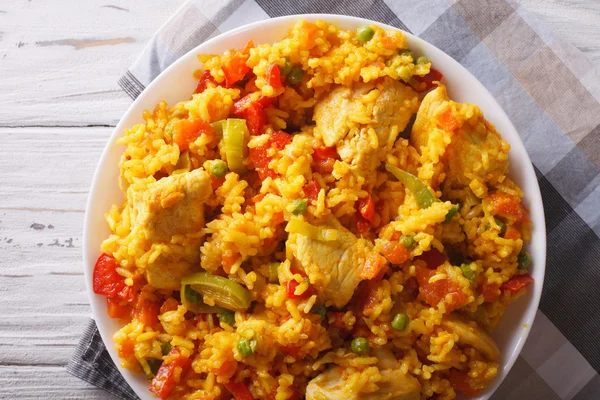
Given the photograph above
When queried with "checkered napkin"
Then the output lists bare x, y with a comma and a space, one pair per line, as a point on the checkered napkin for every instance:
550, 91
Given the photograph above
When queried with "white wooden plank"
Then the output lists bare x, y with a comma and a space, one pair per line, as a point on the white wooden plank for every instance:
48, 168
60, 60
33, 382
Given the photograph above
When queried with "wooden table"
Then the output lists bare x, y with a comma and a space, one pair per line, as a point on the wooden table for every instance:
59, 102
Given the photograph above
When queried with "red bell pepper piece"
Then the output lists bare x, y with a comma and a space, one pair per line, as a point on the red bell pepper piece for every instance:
108, 282
163, 383
517, 283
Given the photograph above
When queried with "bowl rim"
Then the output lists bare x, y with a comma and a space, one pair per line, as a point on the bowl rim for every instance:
534, 195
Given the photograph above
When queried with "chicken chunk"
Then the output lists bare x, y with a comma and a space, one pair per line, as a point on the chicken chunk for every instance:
333, 267
170, 206
469, 333
474, 149
365, 120
394, 385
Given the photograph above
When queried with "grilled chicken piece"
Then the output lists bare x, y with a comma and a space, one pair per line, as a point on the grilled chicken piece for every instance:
476, 150
469, 333
171, 206
433, 103
394, 385
333, 267
168, 207
345, 116
333, 113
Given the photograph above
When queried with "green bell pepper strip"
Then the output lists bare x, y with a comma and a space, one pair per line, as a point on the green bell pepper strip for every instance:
423, 195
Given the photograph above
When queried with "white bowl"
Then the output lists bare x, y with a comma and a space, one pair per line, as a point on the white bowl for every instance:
177, 83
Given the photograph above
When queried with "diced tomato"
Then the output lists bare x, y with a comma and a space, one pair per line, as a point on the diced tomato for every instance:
259, 157
290, 350
517, 283
169, 305
372, 266
266, 101
490, 291
278, 218
395, 252
366, 205
236, 69
281, 139
433, 258
146, 311
324, 159
447, 121
127, 348
312, 190
274, 76
362, 224
459, 381
436, 291
323, 153
186, 132
260, 161
433, 76
118, 310
239, 390
108, 282
227, 369
255, 118
164, 381
290, 290
240, 105
512, 233
216, 182
206, 77
507, 206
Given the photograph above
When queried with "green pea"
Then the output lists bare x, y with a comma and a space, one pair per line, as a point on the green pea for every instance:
406, 52
218, 168
360, 346
227, 317
320, 310
364, 34
400, 322
407, 241
287, 67
468, 272
166, 348
295, 75
502, 226
524, 259
299, 206
451, 213
423, 60
192, 296
274, 272
245, 347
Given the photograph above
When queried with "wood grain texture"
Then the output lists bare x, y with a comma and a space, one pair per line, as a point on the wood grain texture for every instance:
61, 59
59, 64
